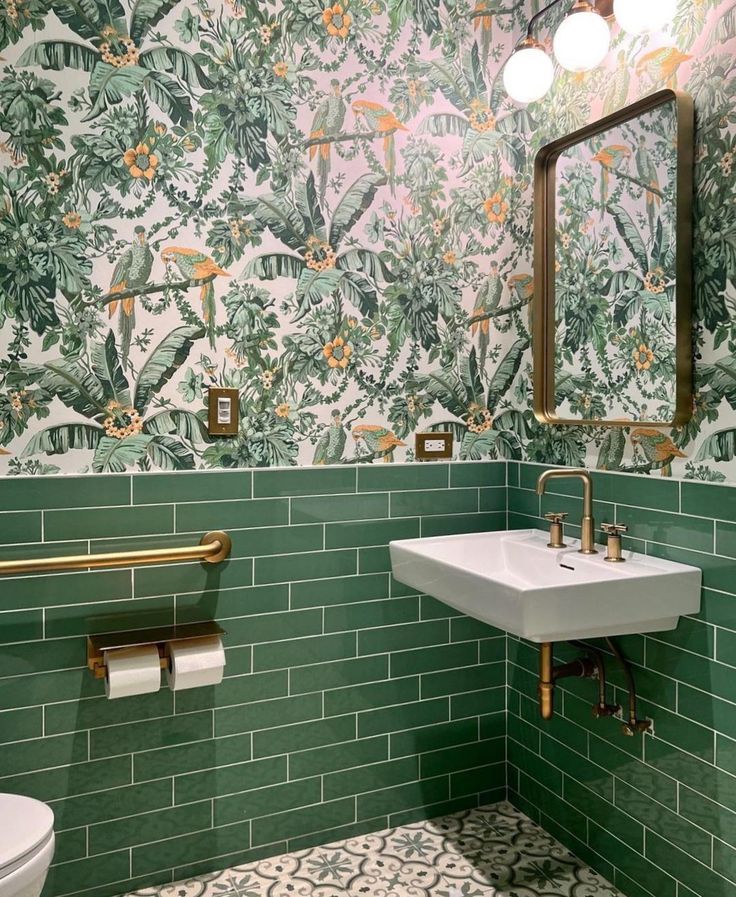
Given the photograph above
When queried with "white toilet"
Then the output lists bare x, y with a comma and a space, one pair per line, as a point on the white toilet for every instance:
26, 845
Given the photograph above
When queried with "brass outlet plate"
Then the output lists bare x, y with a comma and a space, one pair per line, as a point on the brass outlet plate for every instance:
223, 407
433, 446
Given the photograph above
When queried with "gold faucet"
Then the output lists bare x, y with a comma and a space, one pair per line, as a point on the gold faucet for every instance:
587, 526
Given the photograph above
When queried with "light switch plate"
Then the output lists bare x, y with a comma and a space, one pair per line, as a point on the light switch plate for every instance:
432, 446
223, 407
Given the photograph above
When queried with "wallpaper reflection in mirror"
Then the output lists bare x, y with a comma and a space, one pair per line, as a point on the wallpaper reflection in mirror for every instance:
615, 255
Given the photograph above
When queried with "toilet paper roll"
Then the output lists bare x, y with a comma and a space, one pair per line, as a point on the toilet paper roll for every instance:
132, 671
194, 662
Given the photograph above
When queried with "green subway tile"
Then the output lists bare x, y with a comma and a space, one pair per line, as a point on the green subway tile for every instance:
271, 799
479, 753
92, 871
241, 689
718, 572
523, 733
592, 805
631, 862
672, 529
664, 822
707, 815
302, 736
64, 588
402, 636
717, 609
374, 560
680, 864
265, 714
157, 488
147, 827
379, 477
20, 626
449, 682
376, 694
333, 757
433, 810
337, 674
463, 629
432, 609
492, 724
522, 501
21, 526
109, 616
297, 822
371, 613
725, 538
73, 716
70, 845
492, 649
326, 509
131, 737
64, 782
112, 803
709, 500
423, 502
42, 753
493, 499
41, 656
270, 627
512, 473
478, 473
453, 524
194, 577
184, 758
277, 540
101, 523
33, 550
403, 797
692, 772
709, 712
531, 764
229, 779
341, 590
224, 604
692, 635
700, 672
314, 481
473, 703
371, 777
63, 492
651, 778
299, 567
726, 753
372, 532
481, 778
16, 725
44, 688
227, 515
573, 764
427, 660
339, 833
297, 651
201, 846
407, 716
724, 862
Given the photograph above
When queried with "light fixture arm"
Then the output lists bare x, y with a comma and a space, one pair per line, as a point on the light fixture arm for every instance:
538, 15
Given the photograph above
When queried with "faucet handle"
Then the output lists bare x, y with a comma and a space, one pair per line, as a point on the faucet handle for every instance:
614, 529
613, 551
555, 529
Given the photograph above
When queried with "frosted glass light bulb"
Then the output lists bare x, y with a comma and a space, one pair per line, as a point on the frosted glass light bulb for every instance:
528, 74
582, 39
642, 16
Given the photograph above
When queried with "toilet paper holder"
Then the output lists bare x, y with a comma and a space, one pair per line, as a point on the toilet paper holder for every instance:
161, 637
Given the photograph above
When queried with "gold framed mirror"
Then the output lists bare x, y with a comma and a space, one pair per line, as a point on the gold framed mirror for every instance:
612, 341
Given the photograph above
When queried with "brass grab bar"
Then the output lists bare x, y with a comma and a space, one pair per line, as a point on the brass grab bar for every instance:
213, 548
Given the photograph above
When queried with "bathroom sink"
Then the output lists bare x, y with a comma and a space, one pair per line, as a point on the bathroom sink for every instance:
511, 580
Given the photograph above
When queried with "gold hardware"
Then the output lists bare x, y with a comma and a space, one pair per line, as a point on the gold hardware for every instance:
544, 314
587, 525
161, 636
556, 533
582, 668
213, 548
613, 531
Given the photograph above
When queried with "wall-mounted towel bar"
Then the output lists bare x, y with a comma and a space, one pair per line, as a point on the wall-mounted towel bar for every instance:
213, 548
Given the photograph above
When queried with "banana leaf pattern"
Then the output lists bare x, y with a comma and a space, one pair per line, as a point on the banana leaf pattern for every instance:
326, 204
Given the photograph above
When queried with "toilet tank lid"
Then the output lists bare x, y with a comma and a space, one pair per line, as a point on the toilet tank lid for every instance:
25, 823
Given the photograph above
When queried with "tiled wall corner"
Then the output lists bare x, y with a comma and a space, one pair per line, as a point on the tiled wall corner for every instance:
654, 814
350, 703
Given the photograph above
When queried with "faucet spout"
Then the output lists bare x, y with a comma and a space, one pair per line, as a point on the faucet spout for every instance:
587, 524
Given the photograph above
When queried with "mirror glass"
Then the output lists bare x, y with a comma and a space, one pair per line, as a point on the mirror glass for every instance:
612, 296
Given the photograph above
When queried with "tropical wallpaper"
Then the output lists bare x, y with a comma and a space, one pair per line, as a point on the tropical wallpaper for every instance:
326, 204
615, 272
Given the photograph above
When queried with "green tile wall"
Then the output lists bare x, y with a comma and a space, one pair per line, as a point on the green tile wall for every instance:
657, 814
349, 703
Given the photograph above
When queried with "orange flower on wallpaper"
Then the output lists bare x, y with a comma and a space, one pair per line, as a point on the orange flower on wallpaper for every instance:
337, 21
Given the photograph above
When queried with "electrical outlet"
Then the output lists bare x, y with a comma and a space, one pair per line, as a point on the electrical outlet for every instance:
432, 446
223, 404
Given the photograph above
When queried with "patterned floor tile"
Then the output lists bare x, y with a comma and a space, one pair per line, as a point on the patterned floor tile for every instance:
493, 851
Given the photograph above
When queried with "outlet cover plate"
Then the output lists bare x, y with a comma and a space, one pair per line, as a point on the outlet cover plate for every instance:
223, 406
433, 446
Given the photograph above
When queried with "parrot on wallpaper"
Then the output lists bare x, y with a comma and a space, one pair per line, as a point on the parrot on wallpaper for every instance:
331, 443
486, 300
658, 448
195, 265
377, 440
521, 287
609, 157
131, 272
328, 121
384, 122
661, 65
618, 86
484, 25
647, 171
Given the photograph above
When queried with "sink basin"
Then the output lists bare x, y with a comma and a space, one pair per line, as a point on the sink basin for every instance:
511, 580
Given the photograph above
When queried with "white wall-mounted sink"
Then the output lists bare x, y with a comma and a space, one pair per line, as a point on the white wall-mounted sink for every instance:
511, 580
